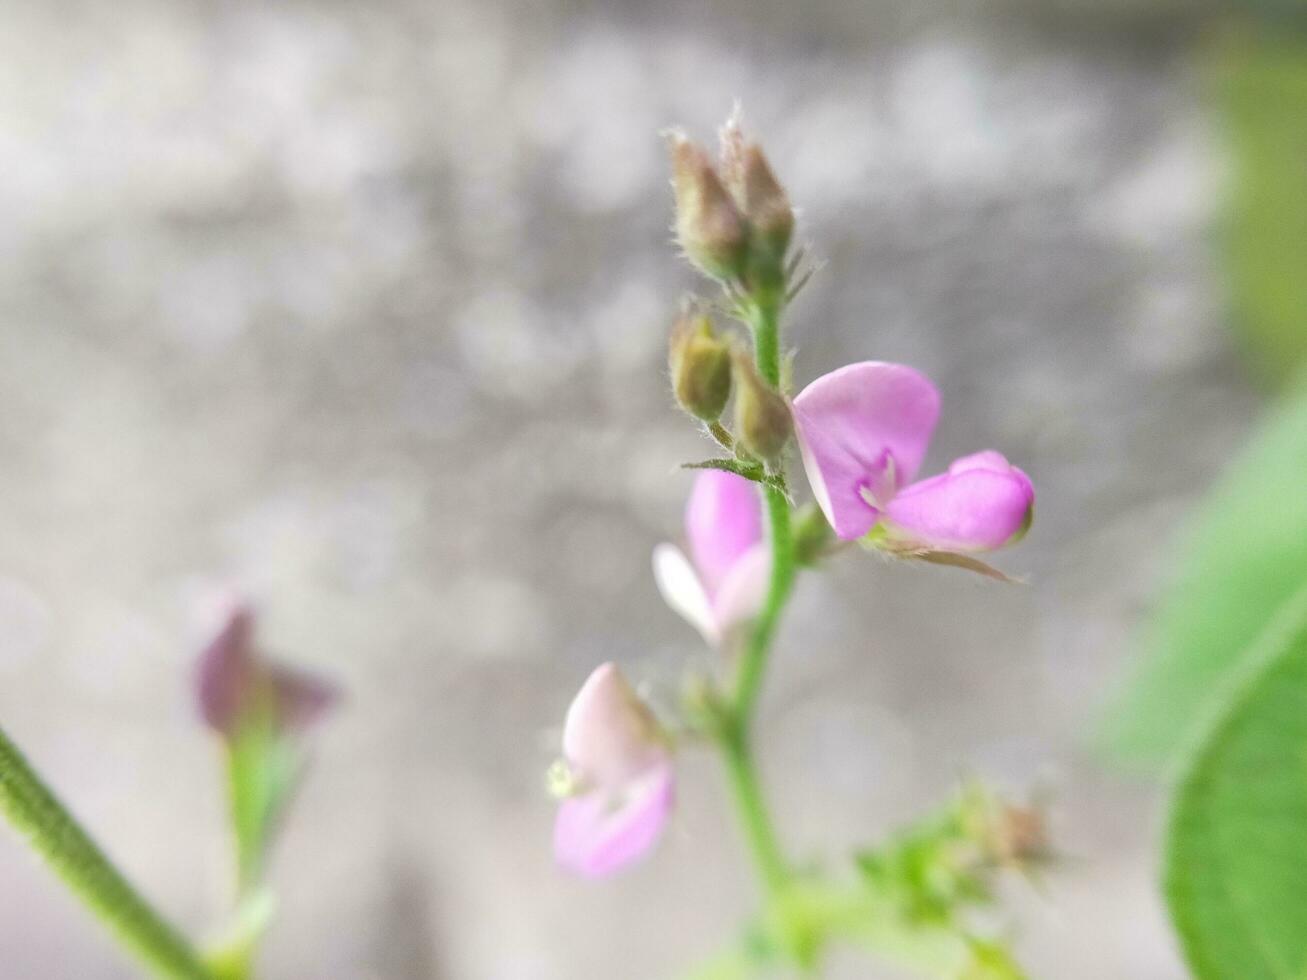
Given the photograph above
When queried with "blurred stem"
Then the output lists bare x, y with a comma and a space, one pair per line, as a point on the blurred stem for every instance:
35, 812
736, 737
752, 810
765, 320
753, 661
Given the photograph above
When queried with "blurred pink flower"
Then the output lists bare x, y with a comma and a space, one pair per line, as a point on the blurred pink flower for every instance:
863, 432
622, 785
724, 582
236, 685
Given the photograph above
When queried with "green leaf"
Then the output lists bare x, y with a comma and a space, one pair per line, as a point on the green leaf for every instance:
750, 471
1236, 850
1243, 557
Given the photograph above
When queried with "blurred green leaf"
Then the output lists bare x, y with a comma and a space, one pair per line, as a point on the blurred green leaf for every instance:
1236, 864
1262, 92
931, 871
820, 914
1245, 554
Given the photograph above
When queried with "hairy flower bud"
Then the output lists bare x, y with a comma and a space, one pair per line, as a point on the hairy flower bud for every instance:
708, 224
762, 416
700, 366
764, 202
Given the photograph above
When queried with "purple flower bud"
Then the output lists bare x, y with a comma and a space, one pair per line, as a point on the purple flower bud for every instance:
236, 686
863, 431
764, 203
623, 784
708, 224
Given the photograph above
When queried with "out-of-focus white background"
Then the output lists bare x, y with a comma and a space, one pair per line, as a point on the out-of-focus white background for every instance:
363, 307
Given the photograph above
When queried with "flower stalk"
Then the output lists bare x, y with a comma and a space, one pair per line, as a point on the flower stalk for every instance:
735, 739
36, 813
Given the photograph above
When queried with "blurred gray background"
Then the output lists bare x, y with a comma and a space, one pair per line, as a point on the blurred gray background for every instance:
363, 307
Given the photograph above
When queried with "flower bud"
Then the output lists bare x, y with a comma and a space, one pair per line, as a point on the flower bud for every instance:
762, 417
708, 224
237, 687
730, 156
764, 202
701, 368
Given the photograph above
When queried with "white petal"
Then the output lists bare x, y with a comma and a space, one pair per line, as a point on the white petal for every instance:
682, 591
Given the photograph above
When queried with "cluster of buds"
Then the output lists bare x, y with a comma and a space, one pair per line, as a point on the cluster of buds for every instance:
733, 220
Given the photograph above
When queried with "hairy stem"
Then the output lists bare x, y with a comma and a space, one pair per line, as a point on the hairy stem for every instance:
50, 829
764, 318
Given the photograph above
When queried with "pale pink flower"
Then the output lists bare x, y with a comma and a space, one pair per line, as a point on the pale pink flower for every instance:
621, 785
724, 581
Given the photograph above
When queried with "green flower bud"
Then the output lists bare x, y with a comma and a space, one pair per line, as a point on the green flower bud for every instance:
708, 224
762, 416
701, 368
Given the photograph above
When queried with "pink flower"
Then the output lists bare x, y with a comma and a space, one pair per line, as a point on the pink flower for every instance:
235, 685
863, 432
724, 582
621, 785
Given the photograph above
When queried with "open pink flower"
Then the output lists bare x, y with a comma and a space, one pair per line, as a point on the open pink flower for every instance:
621, 783
724, 581
863, 432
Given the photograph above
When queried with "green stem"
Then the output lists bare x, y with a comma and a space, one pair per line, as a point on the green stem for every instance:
52, 832
753, 660
736, 741
764, 318
752, 810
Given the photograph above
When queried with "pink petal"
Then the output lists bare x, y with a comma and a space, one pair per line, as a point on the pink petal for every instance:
980, 504
744, 591
863, 431
598, 833
723, 520
610, 735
